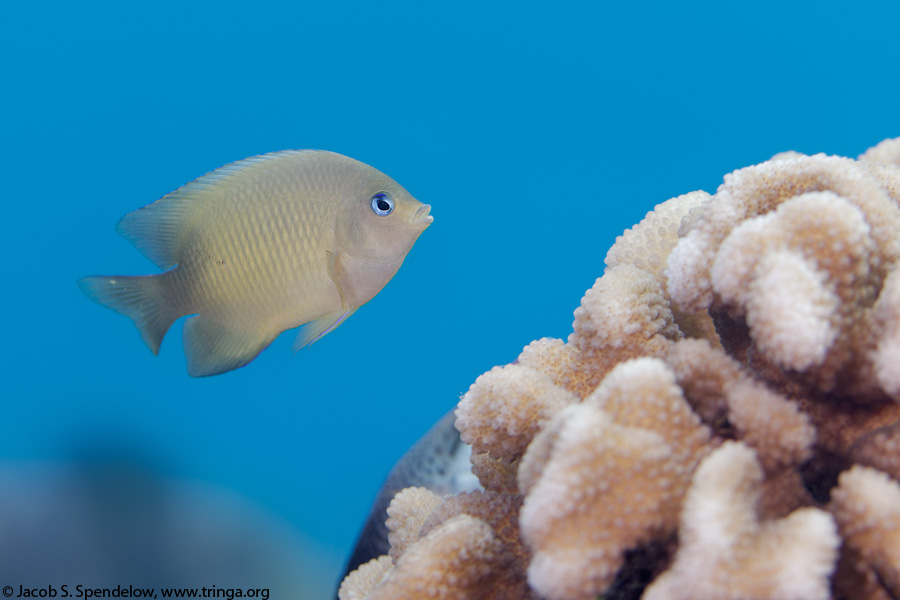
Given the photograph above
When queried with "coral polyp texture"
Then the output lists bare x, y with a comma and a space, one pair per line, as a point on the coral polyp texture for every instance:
723, 422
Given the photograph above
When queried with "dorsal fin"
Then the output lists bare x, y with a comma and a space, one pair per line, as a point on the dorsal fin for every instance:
154, 229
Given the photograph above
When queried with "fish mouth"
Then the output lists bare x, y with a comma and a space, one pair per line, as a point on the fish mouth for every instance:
422, 217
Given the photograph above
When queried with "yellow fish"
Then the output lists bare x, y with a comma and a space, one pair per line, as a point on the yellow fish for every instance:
260, 246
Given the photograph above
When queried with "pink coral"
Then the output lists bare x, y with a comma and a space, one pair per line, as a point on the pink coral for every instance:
607, 476
879, 449
755, 333
506, 407
722, 391
465, 546
726, 553
866, 506
625, 315
458, 559
886, 316
593, 489
799, 249
886, 152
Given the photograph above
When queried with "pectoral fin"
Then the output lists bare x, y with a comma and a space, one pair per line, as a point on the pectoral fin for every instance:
312, 331
331, 261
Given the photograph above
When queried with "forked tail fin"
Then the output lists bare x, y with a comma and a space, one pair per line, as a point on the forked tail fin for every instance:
140, 298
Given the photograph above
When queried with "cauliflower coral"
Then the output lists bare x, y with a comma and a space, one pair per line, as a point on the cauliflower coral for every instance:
723, 422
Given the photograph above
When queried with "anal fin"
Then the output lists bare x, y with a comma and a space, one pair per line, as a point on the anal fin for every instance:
212, 348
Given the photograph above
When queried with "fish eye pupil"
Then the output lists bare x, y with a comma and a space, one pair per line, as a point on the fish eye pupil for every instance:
382, 205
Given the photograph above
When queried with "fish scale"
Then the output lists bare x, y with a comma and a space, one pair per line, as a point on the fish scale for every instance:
259, 246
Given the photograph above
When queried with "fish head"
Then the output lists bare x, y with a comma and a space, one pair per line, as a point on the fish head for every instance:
381, 221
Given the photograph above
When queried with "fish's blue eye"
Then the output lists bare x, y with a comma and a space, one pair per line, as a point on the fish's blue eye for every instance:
382, 204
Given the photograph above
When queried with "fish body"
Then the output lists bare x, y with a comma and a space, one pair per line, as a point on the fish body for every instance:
263, 245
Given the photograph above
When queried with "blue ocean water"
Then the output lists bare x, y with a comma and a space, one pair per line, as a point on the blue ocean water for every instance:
537, 131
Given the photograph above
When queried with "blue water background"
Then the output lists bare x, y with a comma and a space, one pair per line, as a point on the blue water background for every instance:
538, 132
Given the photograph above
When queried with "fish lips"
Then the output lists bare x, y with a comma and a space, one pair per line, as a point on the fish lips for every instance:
422, 217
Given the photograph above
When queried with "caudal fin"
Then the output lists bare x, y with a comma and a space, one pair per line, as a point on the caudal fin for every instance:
142, 299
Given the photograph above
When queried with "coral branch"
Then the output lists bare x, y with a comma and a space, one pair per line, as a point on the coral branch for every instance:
456, 560
866, 506
506, 407
799, 248
612, 472
599, 493
727, 553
